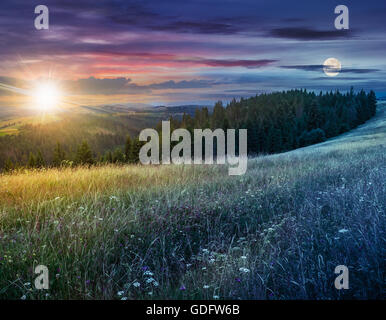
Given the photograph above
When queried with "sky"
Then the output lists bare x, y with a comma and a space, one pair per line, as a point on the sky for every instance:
173, 52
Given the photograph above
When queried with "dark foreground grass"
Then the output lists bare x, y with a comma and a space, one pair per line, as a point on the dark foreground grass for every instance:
175, 232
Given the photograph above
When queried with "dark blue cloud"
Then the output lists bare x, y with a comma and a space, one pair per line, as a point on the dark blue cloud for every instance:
319, 67
307, 33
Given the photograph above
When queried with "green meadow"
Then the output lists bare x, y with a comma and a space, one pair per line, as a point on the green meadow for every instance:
193, 232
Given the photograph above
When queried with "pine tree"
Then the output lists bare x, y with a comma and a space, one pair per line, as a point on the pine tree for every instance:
372, 100
108, 157
31, 161
118, 156
218, 115
128, 147
39, 160
9, 165
84, 154
134, 157
59, 155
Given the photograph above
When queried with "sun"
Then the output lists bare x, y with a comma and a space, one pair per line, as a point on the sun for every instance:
47, 96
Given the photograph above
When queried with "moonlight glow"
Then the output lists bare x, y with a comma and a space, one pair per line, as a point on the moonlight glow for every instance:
47, 96
331, 67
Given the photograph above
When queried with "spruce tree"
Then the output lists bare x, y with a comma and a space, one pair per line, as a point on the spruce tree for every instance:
39, 160
84, 154
31, 160
128, 147
59, 155
9, 165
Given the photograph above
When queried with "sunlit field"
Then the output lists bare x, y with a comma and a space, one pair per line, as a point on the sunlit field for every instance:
193, 232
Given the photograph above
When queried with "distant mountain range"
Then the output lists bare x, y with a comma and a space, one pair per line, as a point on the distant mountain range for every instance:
140, 107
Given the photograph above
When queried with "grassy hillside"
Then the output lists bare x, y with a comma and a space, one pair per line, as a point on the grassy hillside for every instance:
185, 232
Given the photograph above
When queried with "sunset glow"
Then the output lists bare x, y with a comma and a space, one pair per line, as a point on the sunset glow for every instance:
47, 96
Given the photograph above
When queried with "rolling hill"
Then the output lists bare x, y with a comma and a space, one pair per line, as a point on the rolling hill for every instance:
182, 232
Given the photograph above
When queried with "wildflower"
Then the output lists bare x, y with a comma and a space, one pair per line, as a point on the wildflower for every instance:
136, 284
343, 230
47, 294
23, 297
27, 284
205, 250
203, 268
212, 260
216, 297
148, 273
182, 288
243, 257
150, 280
120, 293
150, 293
244, 270
206, 287
124, 298
155, 284
237, 279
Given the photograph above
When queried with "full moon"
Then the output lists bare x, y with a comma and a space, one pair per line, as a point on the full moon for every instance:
331, 67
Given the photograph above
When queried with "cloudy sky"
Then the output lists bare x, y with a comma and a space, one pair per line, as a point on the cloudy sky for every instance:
192, 51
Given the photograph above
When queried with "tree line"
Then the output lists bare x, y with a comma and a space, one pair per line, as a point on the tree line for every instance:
276, 122
287, 120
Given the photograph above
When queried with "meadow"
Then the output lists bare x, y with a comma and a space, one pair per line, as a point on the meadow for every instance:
194, 232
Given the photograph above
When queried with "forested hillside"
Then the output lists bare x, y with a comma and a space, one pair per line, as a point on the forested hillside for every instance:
286, 120
276, 122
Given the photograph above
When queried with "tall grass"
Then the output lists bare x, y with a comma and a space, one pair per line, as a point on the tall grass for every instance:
184, 232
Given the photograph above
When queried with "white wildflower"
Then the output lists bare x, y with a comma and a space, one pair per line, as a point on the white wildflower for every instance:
150, 280
136, 284
120, 293
343, 230
244, 270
